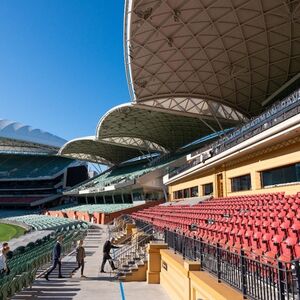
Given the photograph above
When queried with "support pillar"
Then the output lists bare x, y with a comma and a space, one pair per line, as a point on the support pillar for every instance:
154, 261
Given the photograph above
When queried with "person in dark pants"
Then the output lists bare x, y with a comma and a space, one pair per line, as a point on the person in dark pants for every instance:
56, 258
80, 255
106, 256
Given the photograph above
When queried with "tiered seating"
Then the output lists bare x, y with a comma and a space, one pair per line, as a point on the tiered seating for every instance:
6, 213
18, 200
266, 226
25, 166
123, 173
104, 208
42, 222
25, 261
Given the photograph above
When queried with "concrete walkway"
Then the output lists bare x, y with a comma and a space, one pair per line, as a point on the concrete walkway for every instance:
96, 285
27, 238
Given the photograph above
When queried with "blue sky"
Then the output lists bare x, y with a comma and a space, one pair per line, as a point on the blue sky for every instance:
61, 63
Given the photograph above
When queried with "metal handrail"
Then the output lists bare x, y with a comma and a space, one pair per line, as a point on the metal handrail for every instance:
136, 242
130, 252
255, 278
146, 229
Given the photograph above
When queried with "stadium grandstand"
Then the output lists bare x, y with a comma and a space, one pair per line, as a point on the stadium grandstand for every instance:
31, 173
202, 187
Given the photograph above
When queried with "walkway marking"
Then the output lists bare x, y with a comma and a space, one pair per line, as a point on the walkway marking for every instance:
122, 291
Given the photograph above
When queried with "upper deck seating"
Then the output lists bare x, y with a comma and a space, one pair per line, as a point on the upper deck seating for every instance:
19, 200
31, 166
123, 173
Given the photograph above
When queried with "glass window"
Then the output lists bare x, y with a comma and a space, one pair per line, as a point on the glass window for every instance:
99, 200
180, 194
194, 191
241, 183
108, 199
91, 200
286, 174
127, 198
186, 193
208, 189
118, 199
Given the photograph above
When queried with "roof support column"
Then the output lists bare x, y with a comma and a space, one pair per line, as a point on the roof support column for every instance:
131, 196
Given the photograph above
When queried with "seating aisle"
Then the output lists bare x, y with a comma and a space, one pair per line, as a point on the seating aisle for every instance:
96, 285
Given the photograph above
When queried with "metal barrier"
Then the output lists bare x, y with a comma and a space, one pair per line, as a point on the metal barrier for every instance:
255, 279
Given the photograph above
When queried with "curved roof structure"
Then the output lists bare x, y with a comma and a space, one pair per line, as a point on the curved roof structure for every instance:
158, 128
195, 67
91, 149
20, 132
235, 52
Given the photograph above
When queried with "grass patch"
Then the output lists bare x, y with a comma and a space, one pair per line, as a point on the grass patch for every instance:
8, 232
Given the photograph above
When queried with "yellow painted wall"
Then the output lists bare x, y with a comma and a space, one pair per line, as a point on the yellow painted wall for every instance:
208, 177
275, 156
183, 280
283, 156
175, 279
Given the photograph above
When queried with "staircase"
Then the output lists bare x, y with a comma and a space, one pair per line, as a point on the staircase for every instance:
131, 259
133, 266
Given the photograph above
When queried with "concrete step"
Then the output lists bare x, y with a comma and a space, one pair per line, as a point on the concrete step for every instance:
138, 273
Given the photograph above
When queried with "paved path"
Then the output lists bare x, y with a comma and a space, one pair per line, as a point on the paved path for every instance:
96, 285
27, 238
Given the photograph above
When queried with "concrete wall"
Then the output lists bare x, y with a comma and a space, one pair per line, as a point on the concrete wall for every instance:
285, 153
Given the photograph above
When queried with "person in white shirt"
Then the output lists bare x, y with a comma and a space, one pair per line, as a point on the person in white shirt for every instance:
3, 264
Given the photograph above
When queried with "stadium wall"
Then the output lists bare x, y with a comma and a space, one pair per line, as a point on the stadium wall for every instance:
253, 163
182, 279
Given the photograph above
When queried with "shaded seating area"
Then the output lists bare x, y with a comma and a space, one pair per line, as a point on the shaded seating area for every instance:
24, 166
19, 200
126, 172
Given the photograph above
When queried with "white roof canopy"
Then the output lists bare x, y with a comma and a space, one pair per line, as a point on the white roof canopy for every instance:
235, 52
19, 136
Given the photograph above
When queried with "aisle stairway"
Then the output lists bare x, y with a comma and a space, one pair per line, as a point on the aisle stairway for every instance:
96, 285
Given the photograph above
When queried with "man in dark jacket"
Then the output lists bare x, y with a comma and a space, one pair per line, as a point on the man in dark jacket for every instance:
56, 258
106, 256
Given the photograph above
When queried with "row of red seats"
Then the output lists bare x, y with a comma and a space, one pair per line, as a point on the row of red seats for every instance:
266, 226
